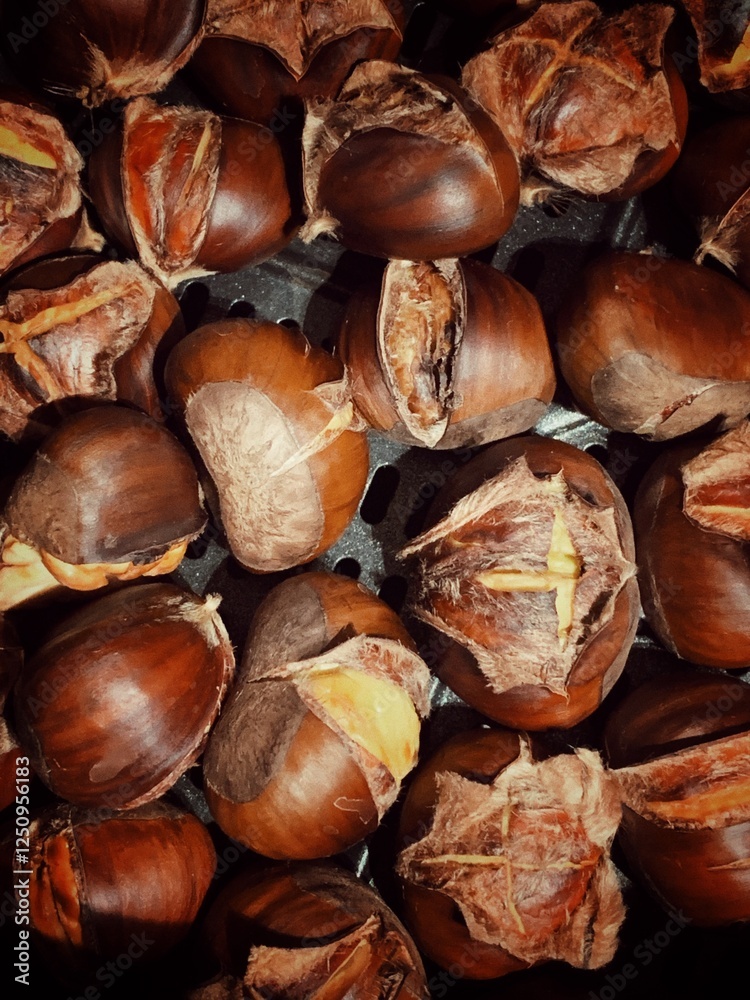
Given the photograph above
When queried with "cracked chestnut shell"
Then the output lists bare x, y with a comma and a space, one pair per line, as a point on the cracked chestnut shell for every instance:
260, 59
305, 930
118, 701
323, 724
109, 495
681, 749
551, 82
273, 421
505, 859
633, 348
101, 50
190, 193
81, 326
526, 570
723, 32
100, 884
400, 165
447, 354
41, 205
692, 528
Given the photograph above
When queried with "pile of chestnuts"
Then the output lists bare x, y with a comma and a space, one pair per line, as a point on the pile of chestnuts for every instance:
374, 498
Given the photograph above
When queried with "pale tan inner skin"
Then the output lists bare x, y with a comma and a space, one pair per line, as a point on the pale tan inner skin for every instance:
379, 716
696, 807
354, 965
16, 148
739, 60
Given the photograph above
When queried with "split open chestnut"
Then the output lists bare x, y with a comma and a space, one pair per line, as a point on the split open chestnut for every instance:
80, 326
681, 747
259, 60
447, 354
109, 495
400, 165
633, 346
505, 860
274, 424
323, 724
101, 888
190, 193
304, 930
723, 32
526, 570
692, 526
551, 84
118, 701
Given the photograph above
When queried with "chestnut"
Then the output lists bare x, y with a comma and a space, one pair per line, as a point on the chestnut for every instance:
723, 32
711, 185
323, 724
401, 165
41, 206
117, 702
551, 84
101, 50
692, 528
447, 354
190, 193
11, 658
273, 422
526, 569
309, 930
633, 347
682, 750
257, 59
505, 859
97, 886
110, 494
78, 326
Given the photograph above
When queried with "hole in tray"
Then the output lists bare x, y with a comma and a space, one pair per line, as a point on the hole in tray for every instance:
348, 567
289, 323
393, 592
380, 494
193, 303
528, 267
327, 344
243, 309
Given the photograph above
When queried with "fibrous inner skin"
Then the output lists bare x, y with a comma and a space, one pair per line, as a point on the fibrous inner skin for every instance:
17, 148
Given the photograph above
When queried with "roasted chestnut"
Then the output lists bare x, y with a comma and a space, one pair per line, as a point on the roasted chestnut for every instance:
274, 424
79, 326
552, 82
118, 701
41, 206
633, 347
505, 859
447, 354
400, 165
681, 747
190, 193
128, 884
323, 724
101, 50
258, 58
526, 569
692, 526
302, 931
723, 32
109, 495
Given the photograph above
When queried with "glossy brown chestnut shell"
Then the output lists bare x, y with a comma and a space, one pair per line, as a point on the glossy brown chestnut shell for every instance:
260, 59
110, 494
692, 529
273, 422
322, 725
526, 570
101, 50
550, 84
447, 354
303, 930
190, 193
633, 347
402, 166
118, 701
81, 326
505, 861
100, 886
681, 746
